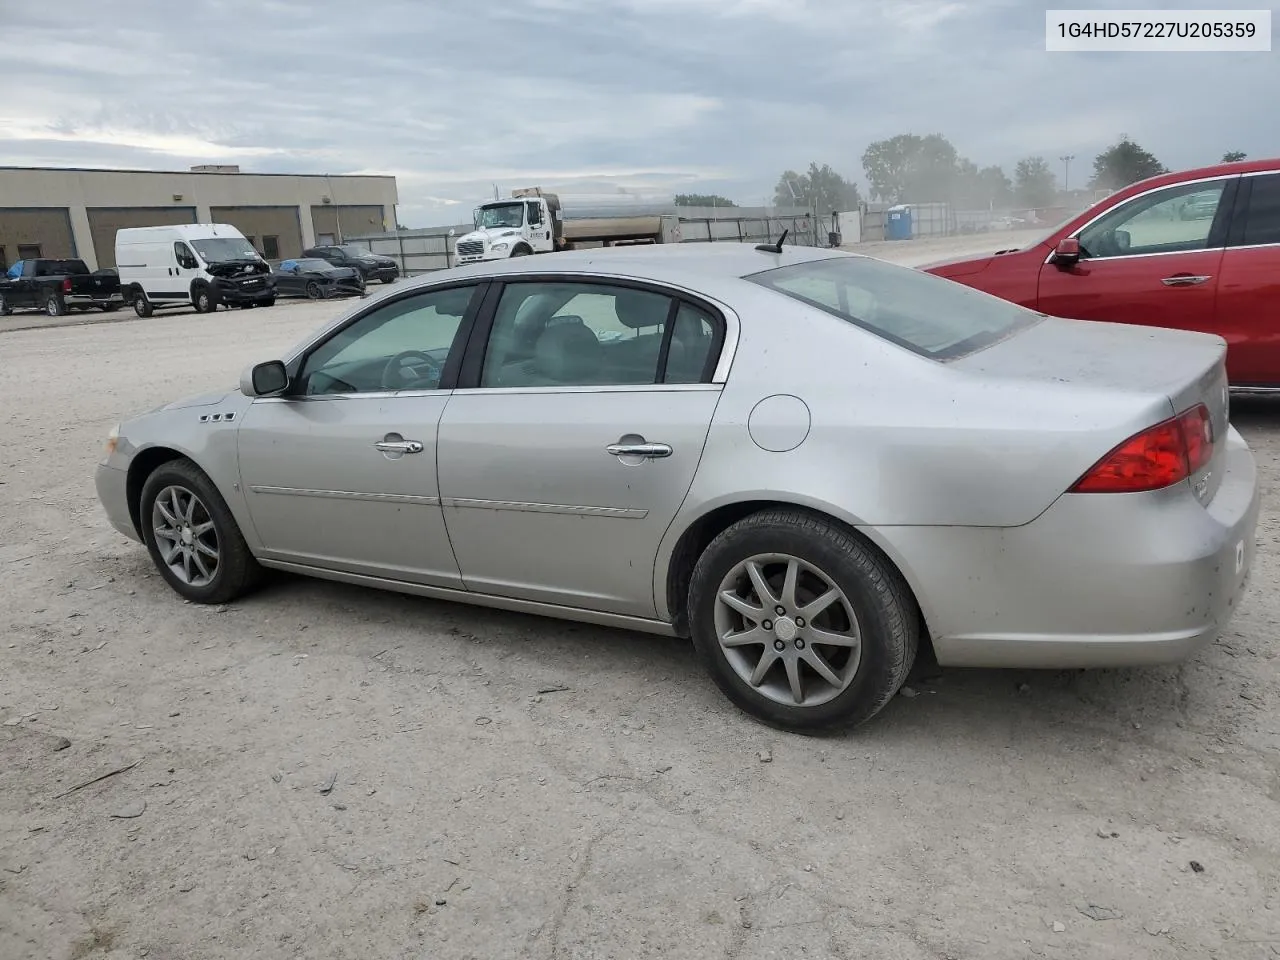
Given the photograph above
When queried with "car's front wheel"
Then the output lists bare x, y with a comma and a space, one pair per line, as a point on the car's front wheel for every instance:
192, 537
801, 623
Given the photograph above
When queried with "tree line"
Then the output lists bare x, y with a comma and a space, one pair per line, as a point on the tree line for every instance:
928, 168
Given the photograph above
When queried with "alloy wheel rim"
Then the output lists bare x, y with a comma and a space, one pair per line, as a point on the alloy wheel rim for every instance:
186, 536
787, 630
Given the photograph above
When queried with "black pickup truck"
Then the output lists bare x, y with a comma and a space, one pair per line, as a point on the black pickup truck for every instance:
57, 287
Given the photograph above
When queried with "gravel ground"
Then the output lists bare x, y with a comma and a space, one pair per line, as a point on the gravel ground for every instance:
324, 771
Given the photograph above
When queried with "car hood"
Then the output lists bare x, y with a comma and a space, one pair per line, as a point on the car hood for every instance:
967, 266
200, 400
489, 235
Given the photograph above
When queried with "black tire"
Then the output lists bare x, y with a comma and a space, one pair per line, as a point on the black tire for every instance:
237, 571
5, 309
880, 599
55, 306
203, 298
269, 302
313, 290
521, 251
108, 307
141, 305
388, 279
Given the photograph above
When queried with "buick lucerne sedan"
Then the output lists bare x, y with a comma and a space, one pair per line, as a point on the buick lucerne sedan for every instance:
810, 463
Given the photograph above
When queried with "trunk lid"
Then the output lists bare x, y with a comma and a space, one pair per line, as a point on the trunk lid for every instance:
1132, 363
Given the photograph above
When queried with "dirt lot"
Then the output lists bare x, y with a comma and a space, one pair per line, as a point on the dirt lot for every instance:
625, 811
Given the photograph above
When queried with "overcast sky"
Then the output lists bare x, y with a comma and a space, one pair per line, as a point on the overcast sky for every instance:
700, 96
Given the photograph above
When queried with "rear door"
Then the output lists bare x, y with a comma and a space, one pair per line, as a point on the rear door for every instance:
573, 438
1152, 260
1248, 306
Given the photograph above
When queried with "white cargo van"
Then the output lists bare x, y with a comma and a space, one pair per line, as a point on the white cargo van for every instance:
197, 264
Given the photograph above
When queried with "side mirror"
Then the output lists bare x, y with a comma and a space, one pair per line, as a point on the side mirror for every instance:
1067, 252
264, 379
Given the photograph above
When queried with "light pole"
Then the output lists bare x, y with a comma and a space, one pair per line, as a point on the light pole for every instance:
1066, 170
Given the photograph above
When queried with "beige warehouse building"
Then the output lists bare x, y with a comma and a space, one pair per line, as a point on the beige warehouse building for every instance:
48, 212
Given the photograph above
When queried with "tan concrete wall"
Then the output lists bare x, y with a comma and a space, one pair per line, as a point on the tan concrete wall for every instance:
77, 190
282, 223
355, 220
49, 227
105, 221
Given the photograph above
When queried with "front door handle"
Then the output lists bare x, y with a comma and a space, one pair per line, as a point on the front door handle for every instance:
399, 446
653, 451
1183, 280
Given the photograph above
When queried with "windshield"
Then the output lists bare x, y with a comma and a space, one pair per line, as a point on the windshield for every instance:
222, 249
500, 215
357, 253
929, 315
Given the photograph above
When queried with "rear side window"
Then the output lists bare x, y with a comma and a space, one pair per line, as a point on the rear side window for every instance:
937, 318
1262, 222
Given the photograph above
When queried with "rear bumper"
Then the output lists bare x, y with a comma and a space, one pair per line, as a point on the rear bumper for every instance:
111, 485
89, 300
1098, 580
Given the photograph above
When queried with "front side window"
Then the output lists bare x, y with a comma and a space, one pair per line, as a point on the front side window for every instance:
552, 334
1262, 220
182, 253
929, 315
402, 345
1175, 220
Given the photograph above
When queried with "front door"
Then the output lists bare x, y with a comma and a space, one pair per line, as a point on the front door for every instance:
1153, 260
341, 472
565, 462
1249, 291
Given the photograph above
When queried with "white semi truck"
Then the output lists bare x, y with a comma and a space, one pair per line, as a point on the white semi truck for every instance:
533, 221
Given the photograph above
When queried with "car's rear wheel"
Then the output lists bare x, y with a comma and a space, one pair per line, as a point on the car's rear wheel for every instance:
54, 305
192, 537
5, 308
141, 305
801, 623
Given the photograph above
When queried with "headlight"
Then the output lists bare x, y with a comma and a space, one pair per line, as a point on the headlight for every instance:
110, 446
499, 246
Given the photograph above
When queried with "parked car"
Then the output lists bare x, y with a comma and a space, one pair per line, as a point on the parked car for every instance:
1015, 489
316, 279
371, 265
58, 286
203, 265
1137, 257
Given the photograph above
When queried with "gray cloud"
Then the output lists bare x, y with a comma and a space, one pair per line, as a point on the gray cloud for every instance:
705, 95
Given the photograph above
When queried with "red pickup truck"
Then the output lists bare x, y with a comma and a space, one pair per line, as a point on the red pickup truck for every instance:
1197, 250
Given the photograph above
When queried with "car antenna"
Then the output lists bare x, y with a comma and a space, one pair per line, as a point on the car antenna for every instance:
773, 247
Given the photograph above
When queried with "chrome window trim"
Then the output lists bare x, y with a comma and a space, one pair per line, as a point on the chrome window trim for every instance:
417, 285
1075, 234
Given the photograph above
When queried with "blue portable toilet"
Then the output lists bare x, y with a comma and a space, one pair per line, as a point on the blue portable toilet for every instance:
897, 224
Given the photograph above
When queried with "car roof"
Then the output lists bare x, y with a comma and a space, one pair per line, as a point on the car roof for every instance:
674, 262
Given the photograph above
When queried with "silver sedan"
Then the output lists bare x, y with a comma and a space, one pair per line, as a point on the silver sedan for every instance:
812, 464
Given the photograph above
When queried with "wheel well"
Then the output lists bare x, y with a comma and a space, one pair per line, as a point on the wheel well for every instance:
522, 246
142, 466
698, 537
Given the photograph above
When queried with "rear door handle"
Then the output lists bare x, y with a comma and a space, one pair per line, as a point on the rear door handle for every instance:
1183, 280
653, 451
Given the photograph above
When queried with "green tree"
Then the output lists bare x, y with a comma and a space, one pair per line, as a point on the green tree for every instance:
822, 189
1234, 156
1123, 163
702, 200
980, 189
1034, 183
910, 167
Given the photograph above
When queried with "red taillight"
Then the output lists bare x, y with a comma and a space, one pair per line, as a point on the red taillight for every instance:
66, 284
1159, 456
